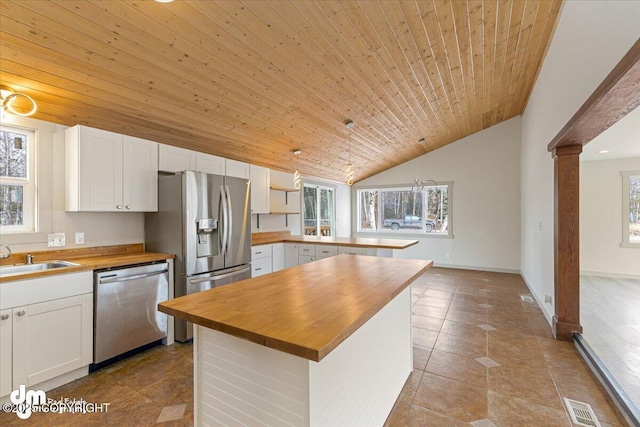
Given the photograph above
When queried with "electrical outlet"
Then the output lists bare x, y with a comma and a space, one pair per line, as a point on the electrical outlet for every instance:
56, 240
80, 238
547, 299
448, 255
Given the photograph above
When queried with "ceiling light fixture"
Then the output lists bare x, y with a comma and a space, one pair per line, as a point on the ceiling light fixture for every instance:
163, 1
9, 97
297, 181
419, 185
349, 171
421, 141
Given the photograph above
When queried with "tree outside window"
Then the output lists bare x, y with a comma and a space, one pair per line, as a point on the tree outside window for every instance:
16, 179
631, 209
402, 210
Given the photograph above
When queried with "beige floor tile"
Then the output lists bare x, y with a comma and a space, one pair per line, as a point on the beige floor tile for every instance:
424, 337
426, 322
422, 417
459, 368
509, 411
532, 385
452, 398
462, 346
420, 357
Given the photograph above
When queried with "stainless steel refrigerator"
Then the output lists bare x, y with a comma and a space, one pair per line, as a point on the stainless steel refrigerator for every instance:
205, 220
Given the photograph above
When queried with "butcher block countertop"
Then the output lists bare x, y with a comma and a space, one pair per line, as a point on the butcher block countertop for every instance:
94, 258
279, 236
306, 310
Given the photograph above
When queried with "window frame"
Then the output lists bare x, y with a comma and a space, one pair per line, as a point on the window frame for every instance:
318, 186
626, 242
28, 184
355, 205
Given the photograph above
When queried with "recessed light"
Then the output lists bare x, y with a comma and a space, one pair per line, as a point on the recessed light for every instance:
163, 1
603, 151
421, 141
297, 151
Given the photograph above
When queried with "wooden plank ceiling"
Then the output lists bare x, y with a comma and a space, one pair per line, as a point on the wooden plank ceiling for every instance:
252, 80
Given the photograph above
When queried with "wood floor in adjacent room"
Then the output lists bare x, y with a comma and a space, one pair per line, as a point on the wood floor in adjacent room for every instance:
482, 357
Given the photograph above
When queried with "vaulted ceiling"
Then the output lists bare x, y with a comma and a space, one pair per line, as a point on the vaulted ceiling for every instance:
253, 80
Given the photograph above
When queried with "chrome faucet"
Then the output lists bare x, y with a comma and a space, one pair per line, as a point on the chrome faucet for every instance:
8, 254
29, 259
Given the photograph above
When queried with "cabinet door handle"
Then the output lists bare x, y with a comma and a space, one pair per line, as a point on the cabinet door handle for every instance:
325, 252
258, 269
119, 207
21, 313
4, 317
128, 206
258, 253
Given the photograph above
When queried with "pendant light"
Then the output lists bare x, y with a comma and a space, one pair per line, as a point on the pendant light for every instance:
349, 171
297, 181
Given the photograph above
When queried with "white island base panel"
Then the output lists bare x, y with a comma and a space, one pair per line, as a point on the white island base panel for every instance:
240, 383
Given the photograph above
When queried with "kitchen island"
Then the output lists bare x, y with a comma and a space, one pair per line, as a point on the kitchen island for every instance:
322, 344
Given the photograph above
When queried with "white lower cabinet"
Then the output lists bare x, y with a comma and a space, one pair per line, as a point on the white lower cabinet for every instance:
290, 255
326, 251
277, 257
6, 352
351, 250
260, 260
303, 259
51, 339
46, 329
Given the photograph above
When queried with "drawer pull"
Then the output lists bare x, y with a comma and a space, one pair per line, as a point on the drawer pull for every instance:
258, 253
259, 268
21, 313
4, 317
119, 207
325, 252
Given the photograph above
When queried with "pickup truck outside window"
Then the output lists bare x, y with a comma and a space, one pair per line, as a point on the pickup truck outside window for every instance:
401, 210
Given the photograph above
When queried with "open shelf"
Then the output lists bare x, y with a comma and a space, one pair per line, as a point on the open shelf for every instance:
285, 189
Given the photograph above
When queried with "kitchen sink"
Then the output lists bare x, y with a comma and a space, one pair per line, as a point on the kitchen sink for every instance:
12, 270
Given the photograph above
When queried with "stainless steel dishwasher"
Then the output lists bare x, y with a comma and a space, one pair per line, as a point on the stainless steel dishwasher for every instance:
126, 312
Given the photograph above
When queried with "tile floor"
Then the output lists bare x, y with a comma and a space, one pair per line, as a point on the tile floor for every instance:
611, 326
482, 357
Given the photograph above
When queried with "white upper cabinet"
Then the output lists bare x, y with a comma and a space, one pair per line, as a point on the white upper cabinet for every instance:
209, 163
260, 189
109, 172
237, 169
140, 175
175, 159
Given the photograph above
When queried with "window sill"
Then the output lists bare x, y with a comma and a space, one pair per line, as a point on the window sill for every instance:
391, 235
630, 245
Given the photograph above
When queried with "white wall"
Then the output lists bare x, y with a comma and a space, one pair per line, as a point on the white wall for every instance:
100, 229
601, 219
485, 170
590, 38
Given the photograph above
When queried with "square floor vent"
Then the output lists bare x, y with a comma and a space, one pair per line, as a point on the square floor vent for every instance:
581, 413
526, 298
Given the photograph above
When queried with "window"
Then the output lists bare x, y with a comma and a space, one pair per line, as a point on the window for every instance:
319, 210
401, 210
17, 180
631, 209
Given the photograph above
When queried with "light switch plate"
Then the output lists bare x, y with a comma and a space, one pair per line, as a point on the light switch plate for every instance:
79, 238
56, 240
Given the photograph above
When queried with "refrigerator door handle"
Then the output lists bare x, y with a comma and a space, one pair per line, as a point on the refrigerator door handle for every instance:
219, 277
230, 215
225, 219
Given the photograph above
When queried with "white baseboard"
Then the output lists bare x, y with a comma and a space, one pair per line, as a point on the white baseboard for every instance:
55, 382
543, 307
476, 267
608, 274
